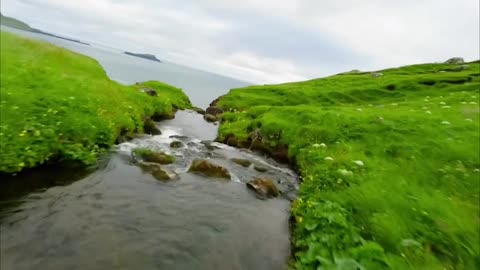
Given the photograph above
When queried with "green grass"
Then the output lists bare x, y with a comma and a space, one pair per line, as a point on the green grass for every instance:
56, 104
415, 202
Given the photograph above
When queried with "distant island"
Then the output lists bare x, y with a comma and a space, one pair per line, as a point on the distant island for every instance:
14, 23
145, 56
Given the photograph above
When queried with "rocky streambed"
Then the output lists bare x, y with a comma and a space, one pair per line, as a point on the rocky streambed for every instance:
176, 200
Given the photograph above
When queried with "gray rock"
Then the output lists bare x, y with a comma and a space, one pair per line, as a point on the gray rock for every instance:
176, 144
455, 60
149, 91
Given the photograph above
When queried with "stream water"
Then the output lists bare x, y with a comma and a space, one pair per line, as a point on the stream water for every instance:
119, 217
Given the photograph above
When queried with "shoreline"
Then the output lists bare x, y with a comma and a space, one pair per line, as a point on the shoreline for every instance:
349, 147
78, 113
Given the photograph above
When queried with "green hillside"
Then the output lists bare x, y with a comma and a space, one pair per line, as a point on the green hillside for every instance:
389, 163
56, 104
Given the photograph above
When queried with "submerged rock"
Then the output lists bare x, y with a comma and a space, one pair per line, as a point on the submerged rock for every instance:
260, 168
149, 127
208, 145
199, 110
242, 162
147, 155
206, 168
210, 118
157, 171
179, 137
176, 144
455, 60
264, 187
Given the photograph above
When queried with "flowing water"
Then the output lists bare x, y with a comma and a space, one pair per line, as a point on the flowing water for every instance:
120, 217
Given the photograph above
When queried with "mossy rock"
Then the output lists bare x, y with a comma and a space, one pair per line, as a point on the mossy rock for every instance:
242, 162
156, 171
199, 110
149, 127
260, 168
148, 155
263, 187
176, 144
206, 168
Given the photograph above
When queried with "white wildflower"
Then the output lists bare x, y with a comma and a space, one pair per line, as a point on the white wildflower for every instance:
428, 112
445, 123
442, 103
359, 109
329, 158
424, 108
468, 120
426, 100
359, 163
319, 145
345, 172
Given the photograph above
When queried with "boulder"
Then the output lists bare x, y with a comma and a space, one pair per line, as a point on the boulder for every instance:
210, 118
199, 110
455, 60
149, 91
206, 168
156, 171
263, 187
242, 162
377, 74
149, 127
147, 155
214, 110
176, 144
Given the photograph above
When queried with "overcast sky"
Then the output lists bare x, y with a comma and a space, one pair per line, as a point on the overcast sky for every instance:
268, 41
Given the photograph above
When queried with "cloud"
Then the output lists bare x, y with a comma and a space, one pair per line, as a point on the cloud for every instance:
268, 41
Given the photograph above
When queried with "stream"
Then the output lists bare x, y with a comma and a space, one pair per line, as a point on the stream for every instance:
117, 216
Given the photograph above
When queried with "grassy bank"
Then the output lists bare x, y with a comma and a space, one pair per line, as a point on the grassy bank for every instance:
389, 164
56, 104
